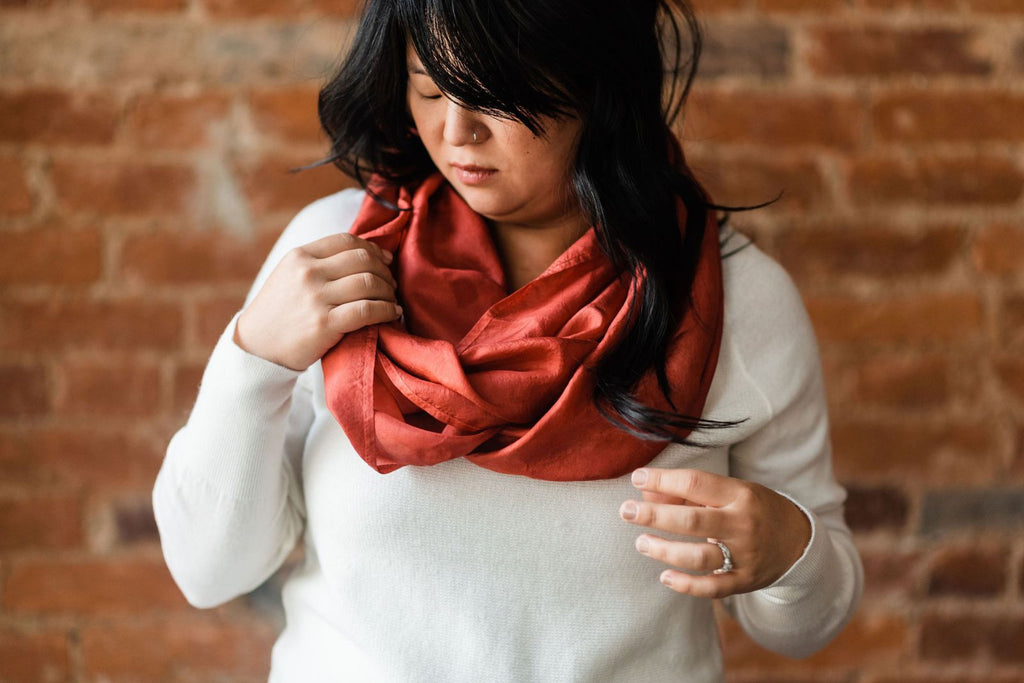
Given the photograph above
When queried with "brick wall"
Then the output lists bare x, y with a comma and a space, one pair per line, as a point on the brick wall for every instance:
143, 156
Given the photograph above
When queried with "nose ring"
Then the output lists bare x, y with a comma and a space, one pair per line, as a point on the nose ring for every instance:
474, 136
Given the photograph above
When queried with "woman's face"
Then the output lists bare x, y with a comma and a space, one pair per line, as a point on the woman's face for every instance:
501, 169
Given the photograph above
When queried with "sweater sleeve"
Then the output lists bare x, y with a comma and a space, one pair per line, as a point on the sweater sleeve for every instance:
227, 499
791, 454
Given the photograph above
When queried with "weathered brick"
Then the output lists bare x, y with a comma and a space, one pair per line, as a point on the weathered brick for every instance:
873, 508
83, 324
884, 51
79, 458
112, 387
827, 252
979, 570
164, 121
41, 522
950, 451
57, 117
784, 119
184, 257
755, 49
34, 656
999, 249
25, 390
119, 6
978, 179
16, 199
287, 114
961, 638
798, 184
52, 255
957, 509
135, 522
928, 116
283, 8
927, 317
894, 571
1010, 370
1012, 319
910, 382
95, 587
213, 315
113, 187
272, 185
156, 651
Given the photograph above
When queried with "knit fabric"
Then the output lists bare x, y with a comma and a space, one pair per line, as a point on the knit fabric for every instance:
457, 573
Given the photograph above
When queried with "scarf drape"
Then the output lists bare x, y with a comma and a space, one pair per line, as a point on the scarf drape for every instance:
504, 380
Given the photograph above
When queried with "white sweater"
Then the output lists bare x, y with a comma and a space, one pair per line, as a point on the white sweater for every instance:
457, 573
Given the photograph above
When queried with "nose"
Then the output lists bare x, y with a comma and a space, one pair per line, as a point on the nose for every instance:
463, 126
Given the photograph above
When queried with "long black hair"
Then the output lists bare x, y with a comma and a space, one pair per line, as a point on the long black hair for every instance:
624, 67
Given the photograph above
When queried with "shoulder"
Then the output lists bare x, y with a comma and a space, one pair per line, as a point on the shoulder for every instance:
767, 323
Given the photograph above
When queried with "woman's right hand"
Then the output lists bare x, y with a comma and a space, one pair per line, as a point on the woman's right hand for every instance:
315, 295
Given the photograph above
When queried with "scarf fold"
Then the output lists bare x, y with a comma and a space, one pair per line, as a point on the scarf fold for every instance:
503, 380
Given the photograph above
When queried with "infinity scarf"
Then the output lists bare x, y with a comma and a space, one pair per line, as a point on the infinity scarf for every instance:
503, 380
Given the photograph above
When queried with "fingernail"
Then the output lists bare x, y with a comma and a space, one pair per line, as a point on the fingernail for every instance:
666, 578
643, 545
628, 510
398, 311
639, 477
388, 256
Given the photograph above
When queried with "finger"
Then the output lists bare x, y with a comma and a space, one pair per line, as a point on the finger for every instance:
343, 241
692, 556
713, 586
358, 314
359, 286
655, 497
703, 488
686, 520
354, 261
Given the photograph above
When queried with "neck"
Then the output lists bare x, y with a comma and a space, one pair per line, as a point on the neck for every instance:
527, 250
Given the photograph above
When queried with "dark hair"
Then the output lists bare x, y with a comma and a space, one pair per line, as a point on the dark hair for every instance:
600, 60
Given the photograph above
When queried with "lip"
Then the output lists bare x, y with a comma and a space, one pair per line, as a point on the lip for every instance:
471, 174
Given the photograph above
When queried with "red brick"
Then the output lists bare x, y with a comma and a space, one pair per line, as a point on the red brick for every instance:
894, 571
947, 451
976, 179
1010, 371
112, 187
927, 116
135, 521
942, 5
922, 318
50, 256
999, 249
1012, 320
186, 386
281, 8
774, 119
118, 6
87, 324
962, 638
34, 657
817, 7
873, 508
98, 587
213, 315
162, 121
903, 382
80, 457
883, 51
996, 6
16, 199
746, 181
288, 114
980, 570
270, 186
185, 257
828, 252
40, 522
57, 117
115, 387
193, 648
25, 390
878, 638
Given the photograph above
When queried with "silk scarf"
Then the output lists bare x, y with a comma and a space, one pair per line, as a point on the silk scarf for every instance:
502, 379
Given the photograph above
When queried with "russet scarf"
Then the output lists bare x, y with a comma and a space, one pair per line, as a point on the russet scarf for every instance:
503, 380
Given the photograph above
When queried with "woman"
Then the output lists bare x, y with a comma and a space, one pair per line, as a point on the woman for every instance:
523, 414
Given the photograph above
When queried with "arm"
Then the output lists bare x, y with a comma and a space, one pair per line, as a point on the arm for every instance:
227, 500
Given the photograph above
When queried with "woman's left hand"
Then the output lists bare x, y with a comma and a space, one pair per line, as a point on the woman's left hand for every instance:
764, 531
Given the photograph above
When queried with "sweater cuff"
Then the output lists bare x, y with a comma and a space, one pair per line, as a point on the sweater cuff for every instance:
809, 571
